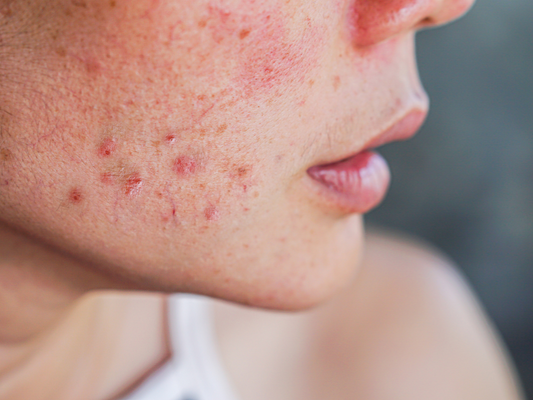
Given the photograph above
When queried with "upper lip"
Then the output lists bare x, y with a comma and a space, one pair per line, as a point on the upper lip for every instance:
401, 129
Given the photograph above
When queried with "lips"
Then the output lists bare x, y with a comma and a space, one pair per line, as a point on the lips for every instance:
359, 182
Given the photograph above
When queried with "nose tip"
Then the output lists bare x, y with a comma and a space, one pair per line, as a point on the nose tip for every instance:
373, 21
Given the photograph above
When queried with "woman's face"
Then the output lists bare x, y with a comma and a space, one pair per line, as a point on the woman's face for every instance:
170, 141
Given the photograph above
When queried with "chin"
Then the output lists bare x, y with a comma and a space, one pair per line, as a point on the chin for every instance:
310, 276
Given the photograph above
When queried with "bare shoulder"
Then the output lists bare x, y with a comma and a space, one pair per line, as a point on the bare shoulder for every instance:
408, 327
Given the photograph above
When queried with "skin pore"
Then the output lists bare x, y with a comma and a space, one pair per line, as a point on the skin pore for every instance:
164, 146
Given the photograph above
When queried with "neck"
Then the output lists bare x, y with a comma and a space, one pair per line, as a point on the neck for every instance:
37, 285
56, 329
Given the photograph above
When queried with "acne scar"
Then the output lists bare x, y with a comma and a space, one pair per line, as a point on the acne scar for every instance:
107, 178
107, 147
75, 196
211, 213
185, 165
133, 184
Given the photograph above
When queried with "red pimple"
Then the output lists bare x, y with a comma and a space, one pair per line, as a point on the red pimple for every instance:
75, 196
133, 184
211, 213
107, 147
170, 139
185, 165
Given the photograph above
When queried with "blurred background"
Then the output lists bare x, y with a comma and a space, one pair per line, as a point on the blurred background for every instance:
465, 182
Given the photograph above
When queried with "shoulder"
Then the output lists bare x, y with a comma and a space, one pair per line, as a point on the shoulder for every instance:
410, 327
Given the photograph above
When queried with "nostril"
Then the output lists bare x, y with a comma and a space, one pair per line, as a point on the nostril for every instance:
428, 21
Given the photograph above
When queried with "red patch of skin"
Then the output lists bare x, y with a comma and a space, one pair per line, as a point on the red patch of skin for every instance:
107, 147
133, 184
211, 213
268, 53
185, 165
75, 196
271, 60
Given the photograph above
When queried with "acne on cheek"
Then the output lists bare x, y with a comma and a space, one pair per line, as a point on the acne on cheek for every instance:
107, 147
75, 196
185, 165
270, 55
133, 184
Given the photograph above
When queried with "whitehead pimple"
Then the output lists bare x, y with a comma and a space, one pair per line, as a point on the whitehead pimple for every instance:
170, 139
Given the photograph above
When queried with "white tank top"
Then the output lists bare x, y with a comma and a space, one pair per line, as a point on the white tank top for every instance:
194, 372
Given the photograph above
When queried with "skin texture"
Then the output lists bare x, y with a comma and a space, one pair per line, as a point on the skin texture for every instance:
165, 144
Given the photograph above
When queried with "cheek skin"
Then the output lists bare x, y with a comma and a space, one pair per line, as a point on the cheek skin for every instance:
166, 127
262, 58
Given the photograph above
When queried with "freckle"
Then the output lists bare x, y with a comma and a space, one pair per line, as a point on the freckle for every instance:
202, 97
159, 194
184, 165
112, 4
6, 10
5, 154
75, 196
107, 147
61, 52
256, 194
211, 213
222, 128
311, 82
336, 82
202, 23
107, 178
241, 171
133, 184
79, 3
244, 33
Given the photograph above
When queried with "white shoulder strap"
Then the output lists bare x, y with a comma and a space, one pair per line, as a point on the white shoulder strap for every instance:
194, 372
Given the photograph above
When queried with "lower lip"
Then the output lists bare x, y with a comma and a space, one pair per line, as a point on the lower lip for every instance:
354, 185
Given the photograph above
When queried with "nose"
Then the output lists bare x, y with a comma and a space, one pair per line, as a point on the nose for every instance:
373, 21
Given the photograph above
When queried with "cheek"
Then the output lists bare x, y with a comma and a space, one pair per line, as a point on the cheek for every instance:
200, 54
